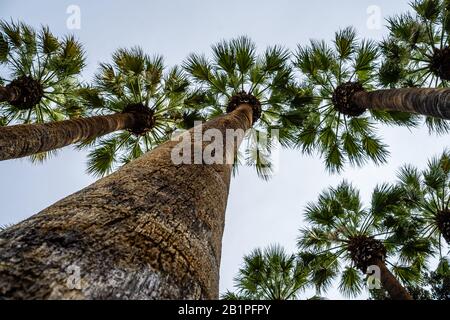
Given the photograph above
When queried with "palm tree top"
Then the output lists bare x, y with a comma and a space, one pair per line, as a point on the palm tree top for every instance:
139, 83
44, 68
269, 274
418, 46
335, 128
427, 196
416, 52
343, 238
235, 67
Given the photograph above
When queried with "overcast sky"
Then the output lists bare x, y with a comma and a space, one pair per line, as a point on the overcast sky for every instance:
259, 213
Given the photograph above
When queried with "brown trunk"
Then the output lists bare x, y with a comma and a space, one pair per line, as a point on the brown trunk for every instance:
8, 94
27, 139
391, 284
424, 101
152, 230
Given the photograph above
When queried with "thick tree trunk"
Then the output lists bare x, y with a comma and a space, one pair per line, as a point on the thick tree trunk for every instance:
27, 139
391, 284
152, 230
424, 101
8, 94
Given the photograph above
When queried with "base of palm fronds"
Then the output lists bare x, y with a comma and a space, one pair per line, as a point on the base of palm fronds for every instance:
145, 118
342, 98
440, 63
443, 222
245, 98
365, 251
29, 92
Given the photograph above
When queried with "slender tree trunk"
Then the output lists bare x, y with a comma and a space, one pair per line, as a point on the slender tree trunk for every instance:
8, 94
152, 230
424, 101
390, 283
27, 139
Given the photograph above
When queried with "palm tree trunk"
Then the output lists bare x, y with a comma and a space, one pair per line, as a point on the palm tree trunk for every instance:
152, 230
27, 139
391, 284
8, 94
424, 101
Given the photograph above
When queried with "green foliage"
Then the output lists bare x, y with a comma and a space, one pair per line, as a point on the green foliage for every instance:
351, 282
335, 220
54, 63
410, 51
235, 66
269, 274
134, 77
426, 194
339, 138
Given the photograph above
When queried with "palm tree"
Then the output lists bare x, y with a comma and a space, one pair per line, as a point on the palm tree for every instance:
416, 52
427, 197
269, 274
343, 78
343, 233
40, 75
136, 81
340, 131
153, 229
235, 68
434, 285
418, 43
440, 280
135, 101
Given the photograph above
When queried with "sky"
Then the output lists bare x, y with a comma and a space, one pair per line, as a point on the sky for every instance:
259, 213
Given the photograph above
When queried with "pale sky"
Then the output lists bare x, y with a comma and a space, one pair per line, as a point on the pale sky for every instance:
259, 213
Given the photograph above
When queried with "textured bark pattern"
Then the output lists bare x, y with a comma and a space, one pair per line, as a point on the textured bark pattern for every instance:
391, 284
152, 230
27, 139
424, 101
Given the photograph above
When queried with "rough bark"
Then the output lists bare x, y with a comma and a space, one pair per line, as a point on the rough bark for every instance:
152, 230
27, 139
424, 101
8, 94
391, 284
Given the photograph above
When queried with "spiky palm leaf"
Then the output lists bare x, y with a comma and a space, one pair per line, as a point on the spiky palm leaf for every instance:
269, 274
337, 221
234, 67
341, 138
132, 78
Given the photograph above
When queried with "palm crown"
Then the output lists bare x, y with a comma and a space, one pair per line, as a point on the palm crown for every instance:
427, 197
342, 232
269, 274
339, 134
45, 68
235, 67
417, 52
137, 82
